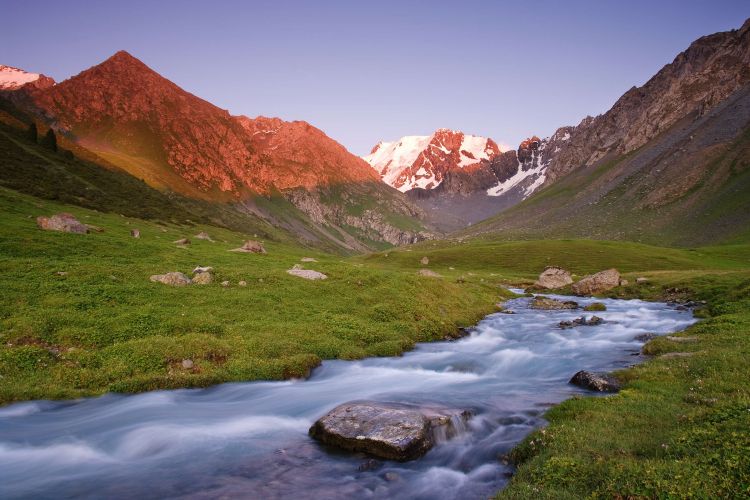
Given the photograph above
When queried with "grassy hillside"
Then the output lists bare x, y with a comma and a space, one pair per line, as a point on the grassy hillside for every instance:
104, 326
28, 166
689, 186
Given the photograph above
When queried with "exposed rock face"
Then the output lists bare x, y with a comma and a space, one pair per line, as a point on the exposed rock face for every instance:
250, 246
386, 430
711, 69
172, 279
595, 382
372, 223
548, 304
554, 277
597, 283
63, 222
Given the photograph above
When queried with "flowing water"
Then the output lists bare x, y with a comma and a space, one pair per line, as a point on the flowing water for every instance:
249, 440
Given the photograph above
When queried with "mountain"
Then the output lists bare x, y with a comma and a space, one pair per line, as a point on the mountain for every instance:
460, 179
13, 79
422, 161
668, 163
124, 115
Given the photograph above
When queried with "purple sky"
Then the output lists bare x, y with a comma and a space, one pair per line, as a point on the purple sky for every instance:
369, 70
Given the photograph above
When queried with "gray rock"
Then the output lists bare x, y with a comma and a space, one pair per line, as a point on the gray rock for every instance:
554, 277
205, 278
547, 304
645, 337
173, 279
225, 284
595, 382
582, 321
203, 269
640, 281
307, 274
597, 283
135, 233
387, 430
203, 236
242, 283
308, 259
63, 222
424, 261
187, 364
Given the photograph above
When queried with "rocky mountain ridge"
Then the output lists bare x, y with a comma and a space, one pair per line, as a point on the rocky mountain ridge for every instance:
123, 114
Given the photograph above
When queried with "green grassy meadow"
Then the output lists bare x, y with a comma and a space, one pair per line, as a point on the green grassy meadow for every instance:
678, 429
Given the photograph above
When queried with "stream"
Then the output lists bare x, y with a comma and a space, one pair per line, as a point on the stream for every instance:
249, 440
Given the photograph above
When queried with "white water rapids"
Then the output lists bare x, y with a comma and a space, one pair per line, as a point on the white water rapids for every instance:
249, 440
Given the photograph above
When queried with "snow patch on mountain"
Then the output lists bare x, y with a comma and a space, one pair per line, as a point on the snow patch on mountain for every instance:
421, 161
13, 78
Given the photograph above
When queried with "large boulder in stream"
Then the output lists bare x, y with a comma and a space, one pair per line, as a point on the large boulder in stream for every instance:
553, 277
388, 430
597, 283
595, 382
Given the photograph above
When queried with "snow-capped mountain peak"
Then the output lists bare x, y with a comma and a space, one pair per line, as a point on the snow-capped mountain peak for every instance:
13, 78
421, 161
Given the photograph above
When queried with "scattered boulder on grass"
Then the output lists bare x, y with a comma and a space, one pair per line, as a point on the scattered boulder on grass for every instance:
182, 241
225, 284
242, 283
188, 364
173, 279
595, 306
547, 304
597, 283
204, 278
203, 269
308, 259
624, 282
64, 222
582, 321
250, 246
135, 233
424, 261
641, 281
307, 274
387, 430
95, 229
203, 236
553, 277
429, 273
595, 382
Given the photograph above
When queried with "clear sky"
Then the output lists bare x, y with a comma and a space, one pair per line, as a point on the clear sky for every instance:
369, 70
